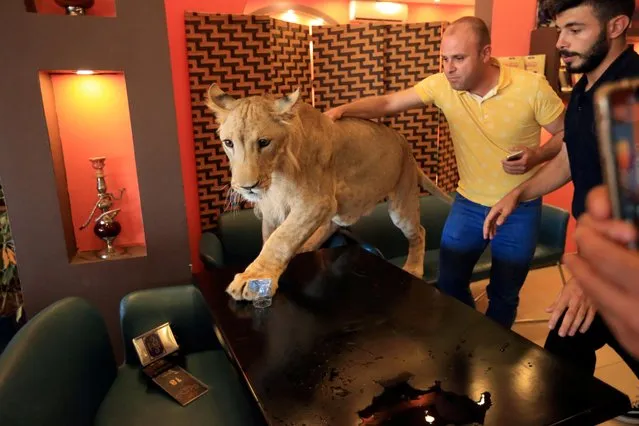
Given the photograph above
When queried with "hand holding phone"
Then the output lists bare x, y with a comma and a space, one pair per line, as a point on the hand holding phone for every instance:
515, 156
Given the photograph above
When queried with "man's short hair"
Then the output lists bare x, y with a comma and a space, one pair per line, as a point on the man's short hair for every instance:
478, 26
604, 9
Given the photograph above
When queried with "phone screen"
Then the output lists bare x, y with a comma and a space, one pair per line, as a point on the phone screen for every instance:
515, 156
623, 153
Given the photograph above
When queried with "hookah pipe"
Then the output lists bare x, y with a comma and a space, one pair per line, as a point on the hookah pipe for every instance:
106, 227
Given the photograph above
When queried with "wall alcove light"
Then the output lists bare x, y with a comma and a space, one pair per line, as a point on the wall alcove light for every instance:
103, 8
91, 140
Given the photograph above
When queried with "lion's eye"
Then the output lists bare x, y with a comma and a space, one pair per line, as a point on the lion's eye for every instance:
228, 143
263, 143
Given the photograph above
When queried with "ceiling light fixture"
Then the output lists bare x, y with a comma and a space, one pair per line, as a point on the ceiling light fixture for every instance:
387, 7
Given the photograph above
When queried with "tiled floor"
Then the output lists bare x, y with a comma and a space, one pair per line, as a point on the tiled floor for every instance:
539, 291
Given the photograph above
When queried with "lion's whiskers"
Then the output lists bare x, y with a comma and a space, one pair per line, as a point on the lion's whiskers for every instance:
228, 196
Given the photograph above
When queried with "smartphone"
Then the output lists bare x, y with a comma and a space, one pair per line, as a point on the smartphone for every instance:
515, 156
617, 109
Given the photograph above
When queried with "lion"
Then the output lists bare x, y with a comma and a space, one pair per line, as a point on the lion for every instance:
308, 176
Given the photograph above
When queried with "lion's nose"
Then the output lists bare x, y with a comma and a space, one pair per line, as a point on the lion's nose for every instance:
249, 187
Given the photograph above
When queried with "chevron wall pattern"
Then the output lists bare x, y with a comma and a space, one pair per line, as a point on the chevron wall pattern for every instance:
407, 61
250, 55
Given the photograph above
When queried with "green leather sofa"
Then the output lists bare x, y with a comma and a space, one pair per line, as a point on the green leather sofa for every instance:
238, 239
59, 369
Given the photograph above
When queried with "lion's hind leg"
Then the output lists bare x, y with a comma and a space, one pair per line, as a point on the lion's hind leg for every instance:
403, 208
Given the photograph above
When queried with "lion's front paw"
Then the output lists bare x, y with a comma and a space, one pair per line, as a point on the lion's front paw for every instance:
239, 288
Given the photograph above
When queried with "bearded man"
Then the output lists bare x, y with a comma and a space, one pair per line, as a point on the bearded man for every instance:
592, 41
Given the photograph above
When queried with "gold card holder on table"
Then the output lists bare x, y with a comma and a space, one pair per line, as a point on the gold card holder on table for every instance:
157, 350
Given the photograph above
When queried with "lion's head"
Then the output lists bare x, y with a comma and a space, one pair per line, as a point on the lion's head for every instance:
255, 133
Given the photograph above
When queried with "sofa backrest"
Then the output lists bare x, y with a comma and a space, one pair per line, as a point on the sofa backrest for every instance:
241, 234
58, 368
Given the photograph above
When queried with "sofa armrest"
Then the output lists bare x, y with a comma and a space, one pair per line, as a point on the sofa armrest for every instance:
211, 251
553, 227
58, 368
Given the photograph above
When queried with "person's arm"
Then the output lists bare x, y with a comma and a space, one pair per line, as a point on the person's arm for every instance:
546, 152
423, 93
552, 176
378, 106
550, 149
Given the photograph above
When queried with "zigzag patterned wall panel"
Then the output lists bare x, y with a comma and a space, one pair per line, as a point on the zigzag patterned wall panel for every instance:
290, 59
348, 63
447, 175
407, 60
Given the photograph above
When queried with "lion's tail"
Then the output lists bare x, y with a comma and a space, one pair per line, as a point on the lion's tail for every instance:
426, 183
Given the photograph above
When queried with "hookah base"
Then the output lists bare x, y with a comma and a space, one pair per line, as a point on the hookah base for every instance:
110, 251
111, 254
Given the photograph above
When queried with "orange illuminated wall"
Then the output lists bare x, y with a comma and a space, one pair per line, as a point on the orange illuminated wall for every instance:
511, 25
419, 12
93, 121
339, 10
336, 9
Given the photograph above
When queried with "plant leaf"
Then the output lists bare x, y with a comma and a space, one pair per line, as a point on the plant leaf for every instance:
19, 310
5, 257
7, 275
11, 255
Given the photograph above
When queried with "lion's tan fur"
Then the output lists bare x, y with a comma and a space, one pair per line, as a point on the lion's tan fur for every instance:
315, 176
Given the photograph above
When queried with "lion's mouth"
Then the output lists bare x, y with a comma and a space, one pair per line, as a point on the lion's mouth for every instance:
254, 193
251, 195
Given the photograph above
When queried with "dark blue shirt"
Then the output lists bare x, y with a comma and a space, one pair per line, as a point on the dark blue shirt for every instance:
581, 132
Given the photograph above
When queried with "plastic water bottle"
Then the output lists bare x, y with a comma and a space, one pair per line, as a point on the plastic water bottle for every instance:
263, 289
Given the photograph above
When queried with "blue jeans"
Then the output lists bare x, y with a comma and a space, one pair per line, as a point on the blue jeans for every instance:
512, 250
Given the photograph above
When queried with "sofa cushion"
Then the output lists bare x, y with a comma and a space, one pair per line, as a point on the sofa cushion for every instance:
132, 400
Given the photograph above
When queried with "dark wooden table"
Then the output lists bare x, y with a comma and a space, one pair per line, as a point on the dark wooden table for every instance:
346, 328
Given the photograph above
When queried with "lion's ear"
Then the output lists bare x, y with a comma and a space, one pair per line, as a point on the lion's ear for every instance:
219, 102
284, 106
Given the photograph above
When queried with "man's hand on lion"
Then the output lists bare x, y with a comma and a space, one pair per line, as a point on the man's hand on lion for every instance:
334, 113
239, 289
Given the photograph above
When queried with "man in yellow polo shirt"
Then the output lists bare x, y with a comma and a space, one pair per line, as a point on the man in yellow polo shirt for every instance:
493, 111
